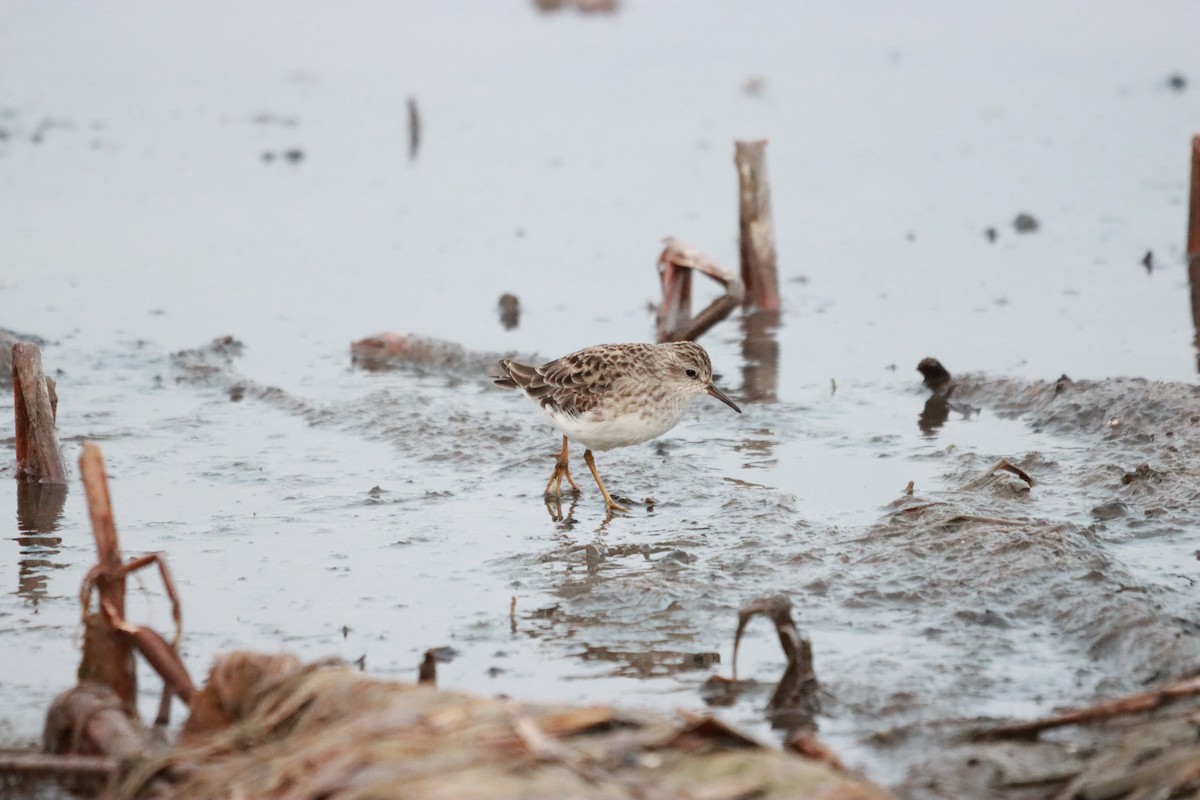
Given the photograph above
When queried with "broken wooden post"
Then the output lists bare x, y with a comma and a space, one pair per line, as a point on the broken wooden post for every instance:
760, 273
107, 657
39, 457
675, 266
1193, 245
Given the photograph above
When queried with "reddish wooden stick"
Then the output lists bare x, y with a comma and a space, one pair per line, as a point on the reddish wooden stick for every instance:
107, 655
1130, 704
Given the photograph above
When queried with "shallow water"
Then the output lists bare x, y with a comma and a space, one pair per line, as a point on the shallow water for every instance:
141, 218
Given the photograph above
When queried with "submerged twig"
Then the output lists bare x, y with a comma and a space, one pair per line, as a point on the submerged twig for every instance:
21, 763
799, 681
1130, 704
1003, 465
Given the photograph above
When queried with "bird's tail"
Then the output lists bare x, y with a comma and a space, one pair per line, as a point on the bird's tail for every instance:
514, 374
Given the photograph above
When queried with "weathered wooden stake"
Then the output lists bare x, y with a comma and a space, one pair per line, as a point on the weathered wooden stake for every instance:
760, 273
107, 657
1193, 244
39, 458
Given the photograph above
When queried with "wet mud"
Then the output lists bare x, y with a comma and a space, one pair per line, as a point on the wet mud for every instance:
378, 505
986, 594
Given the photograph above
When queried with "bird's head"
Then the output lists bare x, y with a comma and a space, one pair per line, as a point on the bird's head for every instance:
689, 367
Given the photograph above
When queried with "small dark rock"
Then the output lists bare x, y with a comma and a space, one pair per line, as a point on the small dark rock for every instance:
987, 618
700, 660
237, 393
1177, 81
933, 372
677, 557
1110, 510
992, 234
445, 654
1143, 472
1026, 223
1148, 261
754, 87
294, 155
510, 311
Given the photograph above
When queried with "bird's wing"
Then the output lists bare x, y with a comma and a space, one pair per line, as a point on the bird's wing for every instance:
576, 383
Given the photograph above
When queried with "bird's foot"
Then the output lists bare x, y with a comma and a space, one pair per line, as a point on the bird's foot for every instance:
611, 505
554, 487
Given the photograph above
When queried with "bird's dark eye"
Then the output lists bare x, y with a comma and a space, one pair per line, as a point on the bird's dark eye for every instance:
691, 373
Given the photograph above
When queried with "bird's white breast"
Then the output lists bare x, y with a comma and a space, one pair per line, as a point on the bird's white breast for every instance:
633, 426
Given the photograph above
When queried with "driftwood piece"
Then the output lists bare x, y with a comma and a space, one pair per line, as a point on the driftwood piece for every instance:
388, 351
760, 273
23, 764
87, 735
1155, 759
1139, 703
39, 457
90, 720
675, 266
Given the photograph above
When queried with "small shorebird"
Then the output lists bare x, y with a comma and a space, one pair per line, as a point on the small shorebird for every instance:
613, 395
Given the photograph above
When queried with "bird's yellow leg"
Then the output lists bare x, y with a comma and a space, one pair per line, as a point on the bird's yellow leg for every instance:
561, 470
608, 501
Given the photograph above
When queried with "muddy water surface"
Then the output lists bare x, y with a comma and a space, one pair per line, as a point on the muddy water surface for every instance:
372, 515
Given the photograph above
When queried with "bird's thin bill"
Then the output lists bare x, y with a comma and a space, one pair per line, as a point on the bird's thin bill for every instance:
717, 393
